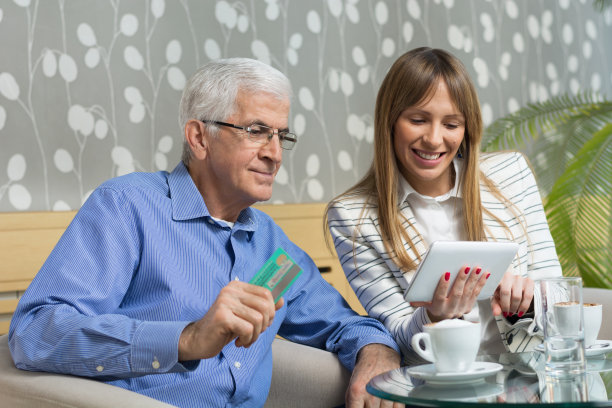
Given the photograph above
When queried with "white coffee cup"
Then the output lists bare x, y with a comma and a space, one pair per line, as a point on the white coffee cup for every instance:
592, 322
451, 344
567, 318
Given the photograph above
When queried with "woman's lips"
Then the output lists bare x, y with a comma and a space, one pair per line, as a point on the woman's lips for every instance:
428, 158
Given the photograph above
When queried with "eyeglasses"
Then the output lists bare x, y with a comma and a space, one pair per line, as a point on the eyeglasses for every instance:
262, 134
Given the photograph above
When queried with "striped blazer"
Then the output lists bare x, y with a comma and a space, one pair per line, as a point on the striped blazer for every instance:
380, 284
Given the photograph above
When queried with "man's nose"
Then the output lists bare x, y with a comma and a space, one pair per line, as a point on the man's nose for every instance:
273, 149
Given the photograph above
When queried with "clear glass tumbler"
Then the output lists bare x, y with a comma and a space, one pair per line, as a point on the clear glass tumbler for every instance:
563, 325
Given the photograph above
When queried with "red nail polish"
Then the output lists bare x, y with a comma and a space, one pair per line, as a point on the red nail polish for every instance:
487, 277
505, 314
447, 276
467, 270
478, 270
521, 314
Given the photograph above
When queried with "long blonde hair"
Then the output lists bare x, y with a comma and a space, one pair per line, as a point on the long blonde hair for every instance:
411, 80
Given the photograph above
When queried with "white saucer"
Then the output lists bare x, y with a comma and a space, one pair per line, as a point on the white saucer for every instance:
479, 370
596, 349
467, 392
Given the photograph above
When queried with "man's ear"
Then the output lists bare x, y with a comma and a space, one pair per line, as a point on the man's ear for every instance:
196, 136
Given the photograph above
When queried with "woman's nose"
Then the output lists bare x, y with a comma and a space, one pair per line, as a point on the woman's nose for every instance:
433, 135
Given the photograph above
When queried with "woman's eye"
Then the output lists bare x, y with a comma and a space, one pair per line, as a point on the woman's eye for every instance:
417, 121
452, 125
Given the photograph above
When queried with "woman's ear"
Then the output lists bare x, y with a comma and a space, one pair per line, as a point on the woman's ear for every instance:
196, 138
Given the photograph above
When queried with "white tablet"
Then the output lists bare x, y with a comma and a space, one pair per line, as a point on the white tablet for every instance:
452, 256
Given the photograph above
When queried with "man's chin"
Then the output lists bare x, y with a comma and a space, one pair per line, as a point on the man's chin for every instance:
263, 195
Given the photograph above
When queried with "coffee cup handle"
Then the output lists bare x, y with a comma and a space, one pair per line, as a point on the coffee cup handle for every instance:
425, 352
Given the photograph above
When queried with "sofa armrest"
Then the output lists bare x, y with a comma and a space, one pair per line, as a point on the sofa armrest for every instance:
306, 377
302, 377
47, 390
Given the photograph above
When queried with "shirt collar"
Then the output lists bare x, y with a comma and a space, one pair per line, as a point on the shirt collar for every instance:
188, 203
405, 189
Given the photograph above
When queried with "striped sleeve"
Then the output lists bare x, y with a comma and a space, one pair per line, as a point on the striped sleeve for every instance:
513, 176
373, 276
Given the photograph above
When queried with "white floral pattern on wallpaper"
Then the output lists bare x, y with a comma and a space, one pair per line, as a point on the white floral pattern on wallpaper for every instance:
89, 89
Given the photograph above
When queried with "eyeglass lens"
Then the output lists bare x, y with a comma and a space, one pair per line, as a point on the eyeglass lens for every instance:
263, 134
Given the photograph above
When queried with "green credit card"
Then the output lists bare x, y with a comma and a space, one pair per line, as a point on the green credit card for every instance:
277, 274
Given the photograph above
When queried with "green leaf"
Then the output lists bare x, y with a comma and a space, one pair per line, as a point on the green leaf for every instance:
549, 133
579, 212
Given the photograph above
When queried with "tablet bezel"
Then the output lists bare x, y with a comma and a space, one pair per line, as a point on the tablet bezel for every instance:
451, 256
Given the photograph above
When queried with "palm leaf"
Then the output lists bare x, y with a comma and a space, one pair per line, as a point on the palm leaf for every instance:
602, 5
529, 122
549, 133
579, 212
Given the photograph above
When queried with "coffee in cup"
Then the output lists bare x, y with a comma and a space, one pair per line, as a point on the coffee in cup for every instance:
592, 322
450, 344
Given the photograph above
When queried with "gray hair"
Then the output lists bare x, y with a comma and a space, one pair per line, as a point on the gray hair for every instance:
212, 91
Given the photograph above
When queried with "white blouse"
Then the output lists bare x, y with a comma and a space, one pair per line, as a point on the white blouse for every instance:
438, 218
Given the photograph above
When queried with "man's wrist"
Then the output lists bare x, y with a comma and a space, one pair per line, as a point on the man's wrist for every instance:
377, 349
183, 343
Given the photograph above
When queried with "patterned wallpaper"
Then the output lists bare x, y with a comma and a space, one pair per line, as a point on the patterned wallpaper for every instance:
89, 89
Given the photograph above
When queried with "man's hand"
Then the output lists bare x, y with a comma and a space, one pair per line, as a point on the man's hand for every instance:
241, 311
372, 360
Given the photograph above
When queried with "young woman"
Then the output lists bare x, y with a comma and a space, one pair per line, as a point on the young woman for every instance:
429, 182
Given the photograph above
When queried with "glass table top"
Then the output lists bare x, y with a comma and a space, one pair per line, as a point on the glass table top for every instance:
513, 380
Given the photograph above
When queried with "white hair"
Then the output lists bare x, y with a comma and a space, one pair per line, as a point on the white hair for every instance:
212, 91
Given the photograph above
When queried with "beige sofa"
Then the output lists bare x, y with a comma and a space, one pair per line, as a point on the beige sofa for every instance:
302, 376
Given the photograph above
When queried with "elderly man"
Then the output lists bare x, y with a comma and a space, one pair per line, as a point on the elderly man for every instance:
147, 289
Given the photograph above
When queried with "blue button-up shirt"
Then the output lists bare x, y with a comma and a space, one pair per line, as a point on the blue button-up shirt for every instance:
142, 259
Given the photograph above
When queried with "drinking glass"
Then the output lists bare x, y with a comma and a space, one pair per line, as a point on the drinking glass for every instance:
563, 326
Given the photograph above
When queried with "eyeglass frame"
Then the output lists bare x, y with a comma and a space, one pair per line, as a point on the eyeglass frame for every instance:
283, 135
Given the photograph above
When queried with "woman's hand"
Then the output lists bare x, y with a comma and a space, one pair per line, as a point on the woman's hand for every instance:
513, 295
461, 297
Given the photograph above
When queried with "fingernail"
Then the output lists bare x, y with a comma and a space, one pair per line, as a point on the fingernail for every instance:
467, 270
521, 314
478, 270
487, 277
505, 314
447, 276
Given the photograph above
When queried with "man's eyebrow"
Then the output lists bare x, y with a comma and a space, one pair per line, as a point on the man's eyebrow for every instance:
261, 123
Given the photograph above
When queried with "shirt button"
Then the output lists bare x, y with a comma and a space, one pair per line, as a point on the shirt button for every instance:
237, 364
155, 364
236, 278
211, 221
100, 368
